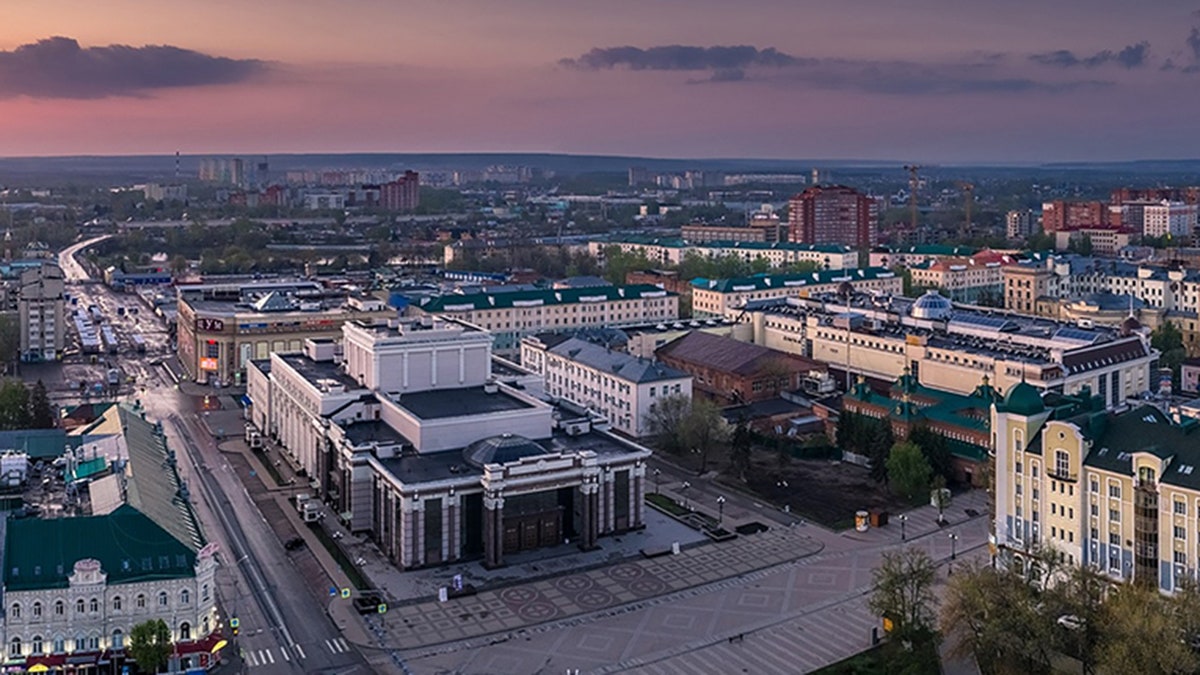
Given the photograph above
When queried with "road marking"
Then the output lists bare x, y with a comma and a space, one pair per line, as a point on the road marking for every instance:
269, 657
283, 652
250, 658
329, 644
342, 643
299, 651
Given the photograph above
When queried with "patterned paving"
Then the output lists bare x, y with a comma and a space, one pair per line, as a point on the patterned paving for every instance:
593, 591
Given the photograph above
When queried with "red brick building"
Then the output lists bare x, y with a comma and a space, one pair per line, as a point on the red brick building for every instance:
730, 371
833, 214
1063, 215
402, 194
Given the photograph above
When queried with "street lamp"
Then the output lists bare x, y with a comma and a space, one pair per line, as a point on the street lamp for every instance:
657, 479
720, 510
953, 546
684, 488
903, 520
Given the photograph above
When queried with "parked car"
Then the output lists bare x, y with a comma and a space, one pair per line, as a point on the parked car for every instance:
293, 544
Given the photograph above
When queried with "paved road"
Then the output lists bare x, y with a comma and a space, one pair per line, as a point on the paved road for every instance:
72, 270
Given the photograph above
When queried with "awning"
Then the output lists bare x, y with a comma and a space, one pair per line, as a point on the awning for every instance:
38, 668
246, 399
219, 646
82, 659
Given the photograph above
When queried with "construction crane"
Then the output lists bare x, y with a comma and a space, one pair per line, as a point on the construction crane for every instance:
913, 182
969, 195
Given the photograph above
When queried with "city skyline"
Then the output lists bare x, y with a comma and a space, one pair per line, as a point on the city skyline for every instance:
933, 81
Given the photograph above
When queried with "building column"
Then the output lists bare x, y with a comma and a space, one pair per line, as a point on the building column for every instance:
637, 496
609, 523
493, 530
453, 533
589, 496
418, 530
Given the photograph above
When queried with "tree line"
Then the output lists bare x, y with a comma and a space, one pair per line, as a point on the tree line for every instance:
25, 407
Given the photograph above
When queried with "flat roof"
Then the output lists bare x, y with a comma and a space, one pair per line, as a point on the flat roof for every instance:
441, 403
320, 374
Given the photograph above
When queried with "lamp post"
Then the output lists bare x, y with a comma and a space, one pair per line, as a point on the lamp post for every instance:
684, 488
903, 520
953, 546
657, 479
720, 510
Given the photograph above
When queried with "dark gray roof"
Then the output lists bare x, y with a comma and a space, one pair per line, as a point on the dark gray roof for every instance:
429, 467
153, 486
1144, 429
619, 364
318, 373
368, 431
431, 405
500, 450
1104, 354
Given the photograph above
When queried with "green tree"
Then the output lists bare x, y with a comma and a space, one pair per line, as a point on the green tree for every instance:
903, 592
617, 264
666, 422
41, 410
992, 615
937, 452
740, 446
1079, 593
704, 430
908, 471
1168, 340
1140, 635
10, 340
878, 447
150, 645
14, 405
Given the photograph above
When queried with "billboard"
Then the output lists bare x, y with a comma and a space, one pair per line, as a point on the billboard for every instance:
208, 363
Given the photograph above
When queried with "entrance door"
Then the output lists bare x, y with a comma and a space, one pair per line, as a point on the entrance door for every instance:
512, 537
529, 534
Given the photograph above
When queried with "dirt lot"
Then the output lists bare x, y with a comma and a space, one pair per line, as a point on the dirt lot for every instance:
822, 490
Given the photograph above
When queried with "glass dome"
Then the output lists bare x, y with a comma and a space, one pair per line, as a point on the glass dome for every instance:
931, 306
500, 450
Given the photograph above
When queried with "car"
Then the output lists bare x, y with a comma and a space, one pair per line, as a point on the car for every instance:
1070, 622
293, 544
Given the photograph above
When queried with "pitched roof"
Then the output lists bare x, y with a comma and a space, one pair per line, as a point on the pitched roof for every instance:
725, 354
1104, 354
761, 282
619, 364
1144, 429
37, 443
455, 302
153, 485
41, 553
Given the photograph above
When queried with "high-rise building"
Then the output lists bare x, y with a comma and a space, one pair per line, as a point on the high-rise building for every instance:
40, 306
1060, 215
833, 214
1021, 224
1175, 219
402, 194
1188, 195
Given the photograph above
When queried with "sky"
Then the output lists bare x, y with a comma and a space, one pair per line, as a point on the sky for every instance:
918, 80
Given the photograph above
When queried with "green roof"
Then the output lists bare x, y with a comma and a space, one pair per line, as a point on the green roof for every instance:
153, 485
41, 553
676, 242
457, 302
965, 412
932, 249
37, 443
1024, 399
88, 469
761, 282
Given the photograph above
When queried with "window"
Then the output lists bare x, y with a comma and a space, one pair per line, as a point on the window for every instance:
185, 631
1018, 469
1181, 508
116, 603
60, 645
80, 606
14, 648
94, 605
1095, 509
141, 601
184, 597
204, 593
94, 642
80, 643
1114, 539
1114, 491
35, 645
118, 640
1180, 533
1114, 515
58, 608
15, 611
37, 610
1062, 463
162, 598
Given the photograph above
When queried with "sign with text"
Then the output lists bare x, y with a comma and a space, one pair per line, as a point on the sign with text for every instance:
209, 325
207, 363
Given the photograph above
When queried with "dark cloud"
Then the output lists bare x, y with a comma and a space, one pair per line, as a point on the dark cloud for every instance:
58, 67
1132, 56
681, 57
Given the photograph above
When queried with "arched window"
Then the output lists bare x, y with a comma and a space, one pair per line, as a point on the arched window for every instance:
14, 647
141, 601
60, 645
59, 608
36, 645
94, 642
116, 603
14, 612
184, 597
94, 605
206, 626
204, 593
37, 610
80, 606
118, 641
185, 631
162, 598
80, 643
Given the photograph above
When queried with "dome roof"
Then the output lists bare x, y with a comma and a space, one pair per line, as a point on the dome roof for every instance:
1129, 325
1024, 399
931, 306
845, 289
500, 450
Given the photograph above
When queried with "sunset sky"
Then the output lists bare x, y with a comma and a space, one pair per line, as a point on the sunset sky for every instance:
922, 80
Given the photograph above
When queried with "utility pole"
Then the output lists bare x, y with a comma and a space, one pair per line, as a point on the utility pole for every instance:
913, 182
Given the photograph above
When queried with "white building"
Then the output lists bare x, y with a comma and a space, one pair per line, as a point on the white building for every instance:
40, 305
1175, 219
776, 254
1019, 225
727, 297
75, 587
616, 385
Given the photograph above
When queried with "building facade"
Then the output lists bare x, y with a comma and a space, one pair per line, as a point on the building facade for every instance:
832, 214
726, 297
1169, 219
730, 372
40, 308
620, 387
775, 255
1117, 492
977, 279
1061, 214
401, 194
1020, 224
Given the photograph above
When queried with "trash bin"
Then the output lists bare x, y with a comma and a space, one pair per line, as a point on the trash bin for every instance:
879, 518
862, 521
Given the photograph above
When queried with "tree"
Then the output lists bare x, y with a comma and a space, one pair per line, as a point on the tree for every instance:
904, 593
992, 615
934, 448
666, 422
878, 447
740, 448
41, 410
1140, 635
1080, 593
150, 645
907, 470
10, 340
1168, 340
704, 430
14, 405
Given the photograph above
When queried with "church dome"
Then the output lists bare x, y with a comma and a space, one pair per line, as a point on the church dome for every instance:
1024, 399
500, 450
931, 306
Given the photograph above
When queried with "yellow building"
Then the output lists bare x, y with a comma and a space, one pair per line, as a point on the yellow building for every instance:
1116, 491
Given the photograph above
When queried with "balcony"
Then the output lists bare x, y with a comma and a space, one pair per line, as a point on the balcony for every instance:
1065, 476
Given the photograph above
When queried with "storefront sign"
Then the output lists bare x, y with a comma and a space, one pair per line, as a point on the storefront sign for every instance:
209, 364
210, 325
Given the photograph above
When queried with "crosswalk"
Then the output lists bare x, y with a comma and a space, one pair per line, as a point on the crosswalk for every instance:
268, 656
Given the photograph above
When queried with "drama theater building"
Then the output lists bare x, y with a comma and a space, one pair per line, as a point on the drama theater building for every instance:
408, 438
